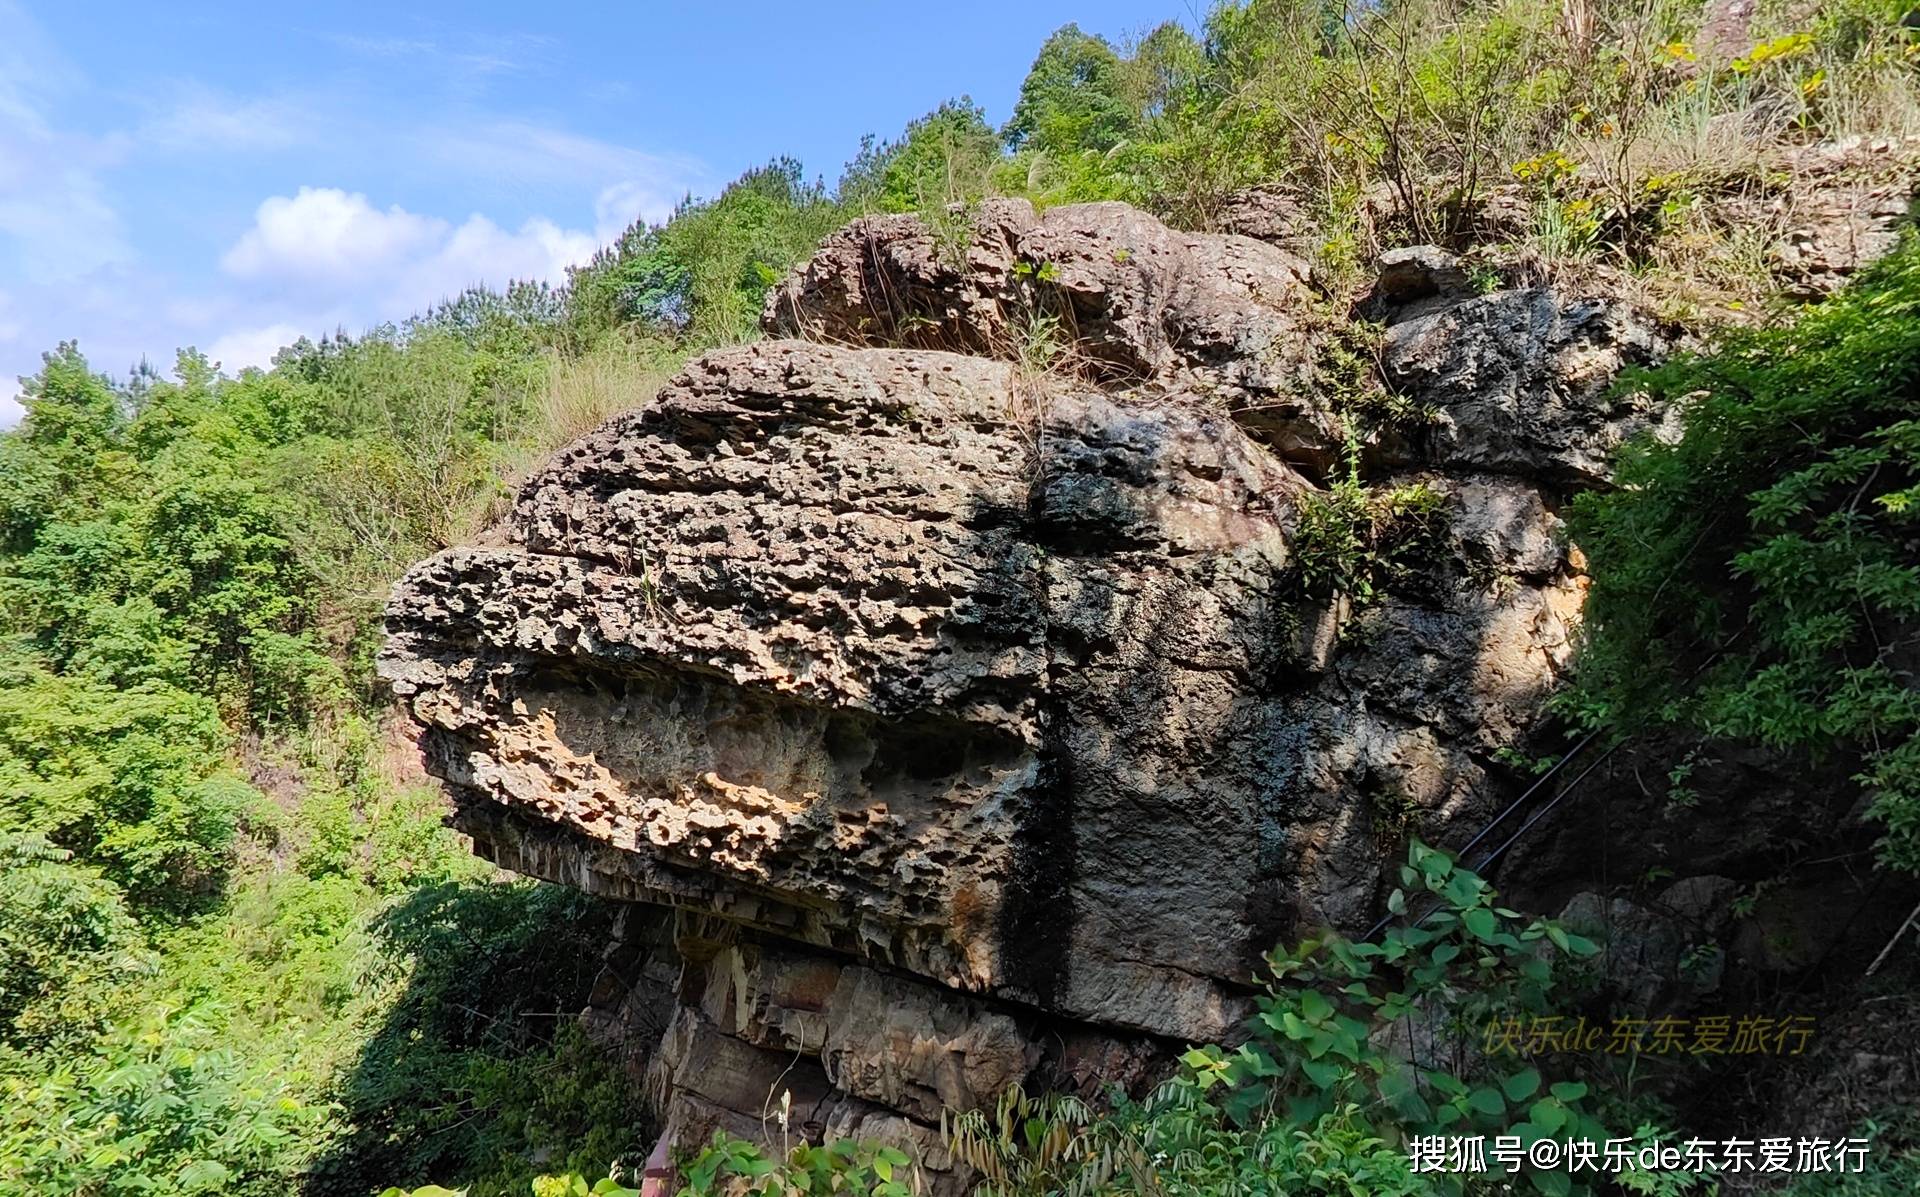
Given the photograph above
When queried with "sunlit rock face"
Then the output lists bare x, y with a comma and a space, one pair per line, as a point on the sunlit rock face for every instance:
960, 699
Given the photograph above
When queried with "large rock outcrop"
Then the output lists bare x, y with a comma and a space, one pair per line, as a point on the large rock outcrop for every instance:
966, 710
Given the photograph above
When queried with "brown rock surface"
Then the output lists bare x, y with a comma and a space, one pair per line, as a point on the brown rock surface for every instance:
972, 720
1221, 316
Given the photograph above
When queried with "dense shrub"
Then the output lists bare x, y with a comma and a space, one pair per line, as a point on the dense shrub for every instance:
1757, 577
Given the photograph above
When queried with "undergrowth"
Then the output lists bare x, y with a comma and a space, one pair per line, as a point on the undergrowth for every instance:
1755, 579
1357, 1049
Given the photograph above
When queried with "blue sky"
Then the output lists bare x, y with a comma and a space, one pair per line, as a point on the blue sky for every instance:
231, 176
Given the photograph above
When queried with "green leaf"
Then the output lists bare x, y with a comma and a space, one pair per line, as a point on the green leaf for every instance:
1553, 1184
202, 1174
1321, 1073
1250, 1061
1487, 1101
1463, 889
1570, 1091
1307, 1109
1480, 923
1313, 1006
1521, 1085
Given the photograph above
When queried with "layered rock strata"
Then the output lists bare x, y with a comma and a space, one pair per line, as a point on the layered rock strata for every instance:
944, 664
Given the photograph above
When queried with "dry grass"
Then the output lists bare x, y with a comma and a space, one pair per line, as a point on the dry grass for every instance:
580, 393
583, 392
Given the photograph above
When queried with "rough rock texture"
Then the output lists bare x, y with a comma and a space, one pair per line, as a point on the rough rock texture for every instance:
972, 720
1422, 274
1846, 210
1519, 382
1268, 214
1222, 317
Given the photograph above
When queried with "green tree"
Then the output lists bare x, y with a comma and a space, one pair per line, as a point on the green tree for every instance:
1073, 98
131, 780
945, 157
66, 939
703, 274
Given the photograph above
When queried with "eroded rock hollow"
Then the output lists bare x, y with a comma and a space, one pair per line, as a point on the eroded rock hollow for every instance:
938, 677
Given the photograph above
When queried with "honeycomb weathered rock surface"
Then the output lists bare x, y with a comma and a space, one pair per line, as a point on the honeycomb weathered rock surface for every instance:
969, 718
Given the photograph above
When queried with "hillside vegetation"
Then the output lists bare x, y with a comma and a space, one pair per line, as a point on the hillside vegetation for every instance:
239, 954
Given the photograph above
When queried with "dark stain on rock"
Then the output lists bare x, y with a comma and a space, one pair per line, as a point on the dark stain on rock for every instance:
1037, 916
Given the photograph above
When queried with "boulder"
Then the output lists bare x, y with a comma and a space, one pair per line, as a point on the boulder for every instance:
955, 718
1103, 290
1520, 382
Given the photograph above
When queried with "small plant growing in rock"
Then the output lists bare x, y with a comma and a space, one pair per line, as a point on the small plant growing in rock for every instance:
1035, 1145
1354, 540
1399, 1028
1044, 272
729, 1167
1484, 278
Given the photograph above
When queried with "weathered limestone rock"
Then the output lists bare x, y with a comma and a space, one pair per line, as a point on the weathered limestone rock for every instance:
971, 718
1133, 302
1660, 953
1415, 274
1520, 382
1269, 214
816, 642
1845, 210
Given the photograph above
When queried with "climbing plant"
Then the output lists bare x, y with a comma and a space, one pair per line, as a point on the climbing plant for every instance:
1772, 550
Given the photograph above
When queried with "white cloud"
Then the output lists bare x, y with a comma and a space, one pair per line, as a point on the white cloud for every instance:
250, 347
338, 247
323, 233
77, 155
481, 252
618, 206
200, 119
